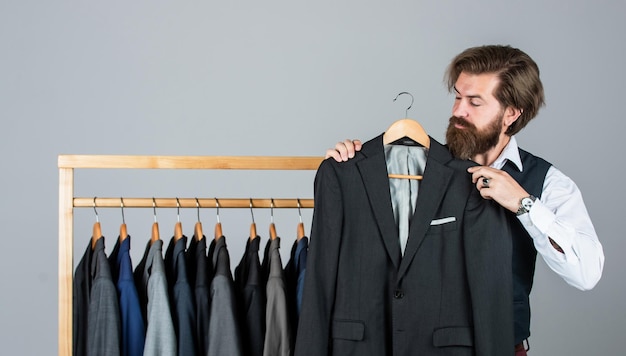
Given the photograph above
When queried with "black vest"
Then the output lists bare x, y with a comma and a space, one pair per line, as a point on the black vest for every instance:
524, 252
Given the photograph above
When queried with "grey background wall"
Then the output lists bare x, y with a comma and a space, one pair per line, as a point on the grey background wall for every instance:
283, 78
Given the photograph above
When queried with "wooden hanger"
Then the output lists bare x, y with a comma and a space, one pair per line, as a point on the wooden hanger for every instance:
155, 226
406, 131
300, 230
272, 226
123, 231
406, 128
253, 233
96, 233
178, 228
197, 229
218, 225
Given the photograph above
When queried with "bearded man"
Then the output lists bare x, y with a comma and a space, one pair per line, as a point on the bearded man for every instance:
497, 92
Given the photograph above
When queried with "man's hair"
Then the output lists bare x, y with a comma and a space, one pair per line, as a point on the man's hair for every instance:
519, 84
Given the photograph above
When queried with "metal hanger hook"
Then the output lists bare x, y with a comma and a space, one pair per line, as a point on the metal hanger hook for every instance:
272, 210
217, 208
198, 208
122, 206
177, 210
251, 212
299, 211
94, 209
406, 113
154, 208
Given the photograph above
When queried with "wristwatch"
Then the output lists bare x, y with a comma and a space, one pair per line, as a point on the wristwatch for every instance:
525, 204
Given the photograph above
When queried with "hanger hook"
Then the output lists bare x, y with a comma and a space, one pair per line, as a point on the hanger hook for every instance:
94, 209
154, 208
122, 206
272, 210
251, 212
198, 208
177, 210
299, 211
406, 113
217, 208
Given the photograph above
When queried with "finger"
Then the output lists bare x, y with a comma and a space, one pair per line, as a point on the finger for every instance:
476, 176
334, 154
484, 182
349, 147
357, 144
343, 150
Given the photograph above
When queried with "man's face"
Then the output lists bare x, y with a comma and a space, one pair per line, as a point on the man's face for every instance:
477, 120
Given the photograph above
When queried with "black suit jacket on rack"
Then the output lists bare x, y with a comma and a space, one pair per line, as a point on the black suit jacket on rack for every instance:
450, 294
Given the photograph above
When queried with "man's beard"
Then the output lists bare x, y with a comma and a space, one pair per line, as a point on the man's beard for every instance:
468, 142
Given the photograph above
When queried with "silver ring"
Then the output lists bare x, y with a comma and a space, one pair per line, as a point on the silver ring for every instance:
485, 182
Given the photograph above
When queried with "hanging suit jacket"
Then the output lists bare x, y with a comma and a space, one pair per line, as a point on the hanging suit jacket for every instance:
224, 329
160, 334
200, 271
81, 289
181, 297
277, 329
251, 299
294, 280
133, 327
451, 292
97, 325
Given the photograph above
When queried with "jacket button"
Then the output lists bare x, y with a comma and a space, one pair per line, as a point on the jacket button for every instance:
399, 294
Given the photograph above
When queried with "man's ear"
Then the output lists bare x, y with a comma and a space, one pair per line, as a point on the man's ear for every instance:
511, 115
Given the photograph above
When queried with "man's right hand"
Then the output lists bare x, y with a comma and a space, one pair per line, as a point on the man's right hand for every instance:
344, 150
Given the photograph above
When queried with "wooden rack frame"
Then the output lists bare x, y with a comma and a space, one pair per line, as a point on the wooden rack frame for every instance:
67, 203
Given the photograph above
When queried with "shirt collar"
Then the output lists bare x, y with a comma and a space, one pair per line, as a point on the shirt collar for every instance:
509, 153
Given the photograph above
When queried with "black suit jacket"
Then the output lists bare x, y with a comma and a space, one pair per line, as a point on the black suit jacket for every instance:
451, 292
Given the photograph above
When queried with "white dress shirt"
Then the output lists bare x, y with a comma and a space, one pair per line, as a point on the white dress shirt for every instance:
561, 215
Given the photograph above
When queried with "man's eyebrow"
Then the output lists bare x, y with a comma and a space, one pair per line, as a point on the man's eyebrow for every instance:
469, 96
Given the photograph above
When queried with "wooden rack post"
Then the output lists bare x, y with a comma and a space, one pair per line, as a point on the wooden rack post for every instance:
67, 203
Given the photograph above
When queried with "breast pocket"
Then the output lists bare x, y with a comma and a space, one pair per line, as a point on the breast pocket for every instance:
441, 225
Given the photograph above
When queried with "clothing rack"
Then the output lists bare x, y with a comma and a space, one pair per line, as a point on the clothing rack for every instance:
67, 203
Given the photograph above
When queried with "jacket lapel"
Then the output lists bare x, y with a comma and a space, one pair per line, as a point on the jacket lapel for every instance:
431, 190
373, 170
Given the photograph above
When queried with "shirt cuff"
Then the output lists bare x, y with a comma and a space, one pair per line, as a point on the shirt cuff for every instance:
540, 223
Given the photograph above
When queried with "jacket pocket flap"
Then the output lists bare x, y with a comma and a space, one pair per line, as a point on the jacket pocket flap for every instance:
453, 336
348, 330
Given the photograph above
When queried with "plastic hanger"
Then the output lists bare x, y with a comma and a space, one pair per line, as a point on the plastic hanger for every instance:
300, 230
408, 132
155, 226
123, 231
272, 226
218, 225
253, 233
197, 230
178, 228
97, 231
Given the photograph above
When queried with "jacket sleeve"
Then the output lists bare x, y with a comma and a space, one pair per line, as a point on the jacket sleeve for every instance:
488, 251
313, 333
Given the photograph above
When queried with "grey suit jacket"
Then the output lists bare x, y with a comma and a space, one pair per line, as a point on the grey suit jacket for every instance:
451, 292
224, 329
104, 325
277, 329
160, 334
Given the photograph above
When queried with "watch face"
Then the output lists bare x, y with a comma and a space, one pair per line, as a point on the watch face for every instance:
527, 203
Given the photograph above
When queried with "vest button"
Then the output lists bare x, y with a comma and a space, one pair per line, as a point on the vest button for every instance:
399, 294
